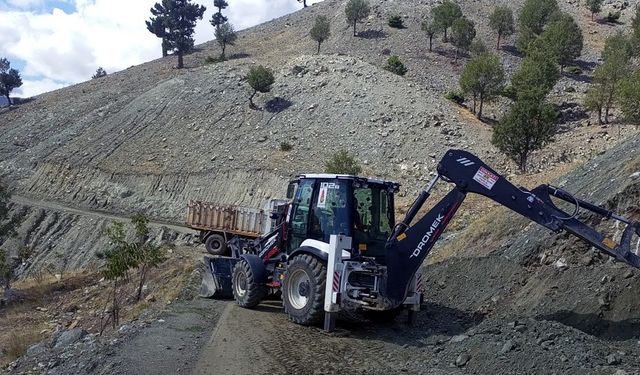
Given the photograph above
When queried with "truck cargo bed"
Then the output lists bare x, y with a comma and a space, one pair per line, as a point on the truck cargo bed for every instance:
243, 221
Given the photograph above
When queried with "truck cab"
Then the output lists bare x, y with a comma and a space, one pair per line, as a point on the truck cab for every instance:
327, 204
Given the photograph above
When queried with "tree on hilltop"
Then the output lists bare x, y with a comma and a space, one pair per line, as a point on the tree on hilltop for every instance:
100, 72
9, 79
180, 17
501, 21
356, 11
157, 24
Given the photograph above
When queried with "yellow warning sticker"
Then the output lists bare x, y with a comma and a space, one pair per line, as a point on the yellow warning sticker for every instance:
608, 242
401, 237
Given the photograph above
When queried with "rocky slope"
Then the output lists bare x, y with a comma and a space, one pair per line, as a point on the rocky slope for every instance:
150, 138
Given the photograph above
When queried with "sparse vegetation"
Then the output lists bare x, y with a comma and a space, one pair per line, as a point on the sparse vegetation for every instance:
321, 30
260, 79
477, 47
529, 126
285, 146
100, 72
456, 97
601, 95
594, 6
9, 79
395, 65
483, 77
501, 21
225, 35
395, 21
342, 163
430, 27
463, 31
536, 76
356, 11
444, 15
574, 70
213, 60
613, 16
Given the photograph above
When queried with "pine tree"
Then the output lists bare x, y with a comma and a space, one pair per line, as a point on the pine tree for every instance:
157, 24
182, 16
462, 33
445, 14
260, 79
321, 30
629, 98
484, 78
356, 11
430, 27
225, 35
218, 19
529, 126
537, 75
563, 38
9, 79
533, 18
501, 21
595, 6
100, 72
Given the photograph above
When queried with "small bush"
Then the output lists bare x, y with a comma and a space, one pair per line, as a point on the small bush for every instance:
456, 97
509, 92
613, 17
342, 163
394, 65
574, 70
395, 22
214, 60
285, 146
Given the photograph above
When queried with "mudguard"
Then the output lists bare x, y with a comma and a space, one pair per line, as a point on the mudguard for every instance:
257, 266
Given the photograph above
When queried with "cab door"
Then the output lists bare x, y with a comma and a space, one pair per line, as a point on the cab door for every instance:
300, 214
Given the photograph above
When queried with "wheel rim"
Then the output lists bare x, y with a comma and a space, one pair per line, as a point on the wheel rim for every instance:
215, 245
240, 284
298, 290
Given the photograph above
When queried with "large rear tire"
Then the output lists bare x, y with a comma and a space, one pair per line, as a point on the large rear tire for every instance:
216, 245
246, 291
303, 290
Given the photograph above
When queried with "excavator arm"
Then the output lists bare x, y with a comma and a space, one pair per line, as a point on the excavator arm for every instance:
409, 244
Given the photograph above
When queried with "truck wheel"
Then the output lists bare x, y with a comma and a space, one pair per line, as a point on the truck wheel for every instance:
246, 291
303, 290
216, 245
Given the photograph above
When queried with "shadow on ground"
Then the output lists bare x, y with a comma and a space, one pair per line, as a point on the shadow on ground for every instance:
595, 325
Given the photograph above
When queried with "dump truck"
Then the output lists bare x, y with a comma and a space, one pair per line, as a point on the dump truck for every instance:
338, 248
219, 223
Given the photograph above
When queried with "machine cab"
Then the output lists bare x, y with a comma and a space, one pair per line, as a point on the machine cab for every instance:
324, 204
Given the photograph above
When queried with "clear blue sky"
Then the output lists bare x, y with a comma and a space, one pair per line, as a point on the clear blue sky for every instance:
55, 43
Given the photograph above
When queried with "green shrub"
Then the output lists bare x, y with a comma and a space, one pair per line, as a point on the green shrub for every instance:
394, 65
395, 22
454, 96
575, 70
509, 92
342, 163
285, 146
613, 17
214, 60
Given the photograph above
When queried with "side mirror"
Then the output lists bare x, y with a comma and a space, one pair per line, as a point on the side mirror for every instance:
291, 189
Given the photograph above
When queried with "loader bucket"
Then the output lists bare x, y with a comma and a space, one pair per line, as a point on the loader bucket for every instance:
216, 278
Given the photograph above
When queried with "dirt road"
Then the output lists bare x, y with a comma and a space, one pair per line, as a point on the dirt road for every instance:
56, 206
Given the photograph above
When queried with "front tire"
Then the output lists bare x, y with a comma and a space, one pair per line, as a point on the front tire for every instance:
303, 290
215, 244
246, 291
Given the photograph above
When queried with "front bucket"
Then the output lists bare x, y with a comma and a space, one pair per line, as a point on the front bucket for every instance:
216, 279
